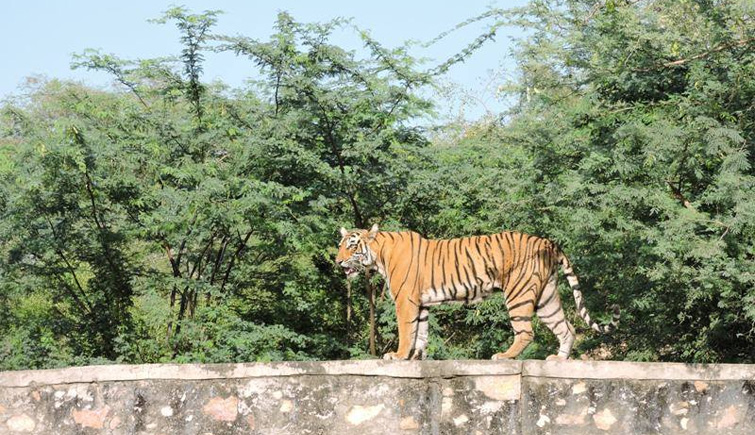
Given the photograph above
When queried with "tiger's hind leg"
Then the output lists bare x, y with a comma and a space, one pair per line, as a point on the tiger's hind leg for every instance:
551, 312
520, 314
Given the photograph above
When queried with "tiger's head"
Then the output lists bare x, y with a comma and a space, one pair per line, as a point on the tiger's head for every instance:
354, 252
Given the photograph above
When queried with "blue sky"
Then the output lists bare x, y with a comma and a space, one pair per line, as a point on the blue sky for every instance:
40, 36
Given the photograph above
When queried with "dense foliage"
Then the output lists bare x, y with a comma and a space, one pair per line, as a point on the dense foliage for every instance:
172, 219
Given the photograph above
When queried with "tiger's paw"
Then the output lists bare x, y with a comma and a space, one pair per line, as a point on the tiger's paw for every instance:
556, 358
418, 354
500, 357
391, 355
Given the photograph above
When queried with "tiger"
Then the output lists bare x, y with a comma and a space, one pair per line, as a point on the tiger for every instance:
421, 273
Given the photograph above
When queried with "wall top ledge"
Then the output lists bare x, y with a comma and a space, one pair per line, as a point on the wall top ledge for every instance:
571, 369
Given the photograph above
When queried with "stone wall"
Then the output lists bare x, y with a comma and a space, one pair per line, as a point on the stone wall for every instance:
379, 397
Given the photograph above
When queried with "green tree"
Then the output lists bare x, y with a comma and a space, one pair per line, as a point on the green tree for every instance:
635, 121
221, 207
170, 219
337, 125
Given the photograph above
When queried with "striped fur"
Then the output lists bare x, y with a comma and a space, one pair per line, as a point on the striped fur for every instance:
421, 273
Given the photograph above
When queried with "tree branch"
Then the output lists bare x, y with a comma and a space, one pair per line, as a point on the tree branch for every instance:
702, 55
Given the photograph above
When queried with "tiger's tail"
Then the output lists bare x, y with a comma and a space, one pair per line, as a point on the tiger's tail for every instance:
581, 309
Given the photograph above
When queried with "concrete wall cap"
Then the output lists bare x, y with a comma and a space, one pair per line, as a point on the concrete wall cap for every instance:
394, 369
571, 369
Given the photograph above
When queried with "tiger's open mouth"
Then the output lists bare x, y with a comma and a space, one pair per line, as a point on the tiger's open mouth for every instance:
350, 272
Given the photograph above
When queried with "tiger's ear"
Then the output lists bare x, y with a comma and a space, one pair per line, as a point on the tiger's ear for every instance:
373, 231
344, 233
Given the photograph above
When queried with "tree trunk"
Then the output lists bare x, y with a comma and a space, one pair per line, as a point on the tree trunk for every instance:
373, 328
348, 312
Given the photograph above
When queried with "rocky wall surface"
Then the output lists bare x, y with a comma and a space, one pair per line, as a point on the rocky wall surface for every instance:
378, 397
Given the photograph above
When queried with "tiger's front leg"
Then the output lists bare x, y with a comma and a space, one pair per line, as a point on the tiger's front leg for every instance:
420, 334
407, 318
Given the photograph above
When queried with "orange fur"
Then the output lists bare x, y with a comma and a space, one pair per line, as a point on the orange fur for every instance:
421, 273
